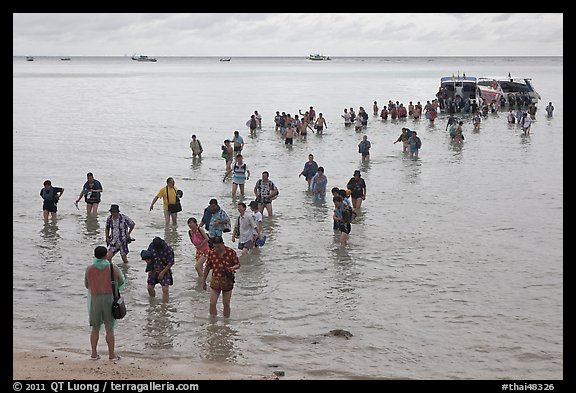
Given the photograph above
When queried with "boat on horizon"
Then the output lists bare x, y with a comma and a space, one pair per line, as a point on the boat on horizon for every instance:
226, 59
65, 59
143, 58
318, 57
29, 58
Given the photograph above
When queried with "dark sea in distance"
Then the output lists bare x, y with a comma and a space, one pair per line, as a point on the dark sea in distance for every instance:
454, 267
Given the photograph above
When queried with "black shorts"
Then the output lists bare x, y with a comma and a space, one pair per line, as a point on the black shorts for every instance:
344, 227
50, 206
263, 201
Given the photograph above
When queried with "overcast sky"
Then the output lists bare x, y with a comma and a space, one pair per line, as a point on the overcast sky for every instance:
289, 34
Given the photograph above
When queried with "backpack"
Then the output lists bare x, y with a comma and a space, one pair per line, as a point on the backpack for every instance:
418, 143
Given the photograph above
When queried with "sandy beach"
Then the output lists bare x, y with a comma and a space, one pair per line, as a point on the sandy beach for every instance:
63, 365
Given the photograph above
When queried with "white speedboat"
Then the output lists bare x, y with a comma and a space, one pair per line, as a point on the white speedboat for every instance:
489, 90
455, 91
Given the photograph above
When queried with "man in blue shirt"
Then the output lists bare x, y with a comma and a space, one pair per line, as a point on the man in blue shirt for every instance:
91, 191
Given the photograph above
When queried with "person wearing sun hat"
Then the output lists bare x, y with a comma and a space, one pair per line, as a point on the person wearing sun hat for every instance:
118, 233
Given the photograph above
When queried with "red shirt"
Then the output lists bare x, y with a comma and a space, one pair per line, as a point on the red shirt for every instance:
218, 262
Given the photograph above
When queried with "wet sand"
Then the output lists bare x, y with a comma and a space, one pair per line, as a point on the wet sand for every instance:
63, 365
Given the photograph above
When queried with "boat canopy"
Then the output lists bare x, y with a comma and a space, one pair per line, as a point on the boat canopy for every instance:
458, 79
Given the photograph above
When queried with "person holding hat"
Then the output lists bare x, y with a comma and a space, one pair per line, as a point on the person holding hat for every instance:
119, 228
358, 187
161, 260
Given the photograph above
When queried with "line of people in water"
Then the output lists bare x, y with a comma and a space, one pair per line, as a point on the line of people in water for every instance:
212, 255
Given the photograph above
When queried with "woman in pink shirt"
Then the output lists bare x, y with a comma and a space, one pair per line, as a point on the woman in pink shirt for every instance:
199, 238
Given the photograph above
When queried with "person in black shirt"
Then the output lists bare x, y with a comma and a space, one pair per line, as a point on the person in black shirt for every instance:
358, 187
50, 195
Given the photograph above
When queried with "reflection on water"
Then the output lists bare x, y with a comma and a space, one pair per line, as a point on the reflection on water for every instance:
220, 342
93, 232
49, 250
172, 236
196, 161
159, 330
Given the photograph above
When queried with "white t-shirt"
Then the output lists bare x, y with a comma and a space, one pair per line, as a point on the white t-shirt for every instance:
247, 226
257, 216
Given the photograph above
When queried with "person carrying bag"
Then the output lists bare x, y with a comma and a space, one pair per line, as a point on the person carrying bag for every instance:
118, 305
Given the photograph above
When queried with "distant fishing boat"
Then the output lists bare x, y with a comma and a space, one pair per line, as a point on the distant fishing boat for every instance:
29, 58
143, 58
225, 59
318, 56
65, 59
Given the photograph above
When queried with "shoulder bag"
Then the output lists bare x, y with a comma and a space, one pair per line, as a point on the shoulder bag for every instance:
118, 306
173, 207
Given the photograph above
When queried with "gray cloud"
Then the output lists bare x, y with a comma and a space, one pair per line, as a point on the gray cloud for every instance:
288, 34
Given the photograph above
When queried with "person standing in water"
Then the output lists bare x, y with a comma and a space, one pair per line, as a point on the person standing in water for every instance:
223, 261
196, 147
318, 184
200, 240
50, 195
91, 191
310, 169
98, 281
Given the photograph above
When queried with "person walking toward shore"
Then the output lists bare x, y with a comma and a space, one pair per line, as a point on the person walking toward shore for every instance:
346, 116
200, 240
358, 187
91, 191
320, 124
196, 147
265, 191
550, 109
415, 144
238, 142
223, 261
318, 184
169, 193
228, 156
364, 148
50, 195
342, 216
119, 228
161, 260
526, 123
240, 173
97, 279
244, 229
404, 139
310, 169
215, 220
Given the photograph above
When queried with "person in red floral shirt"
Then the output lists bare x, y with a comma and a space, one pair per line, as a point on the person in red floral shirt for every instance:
223, 261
